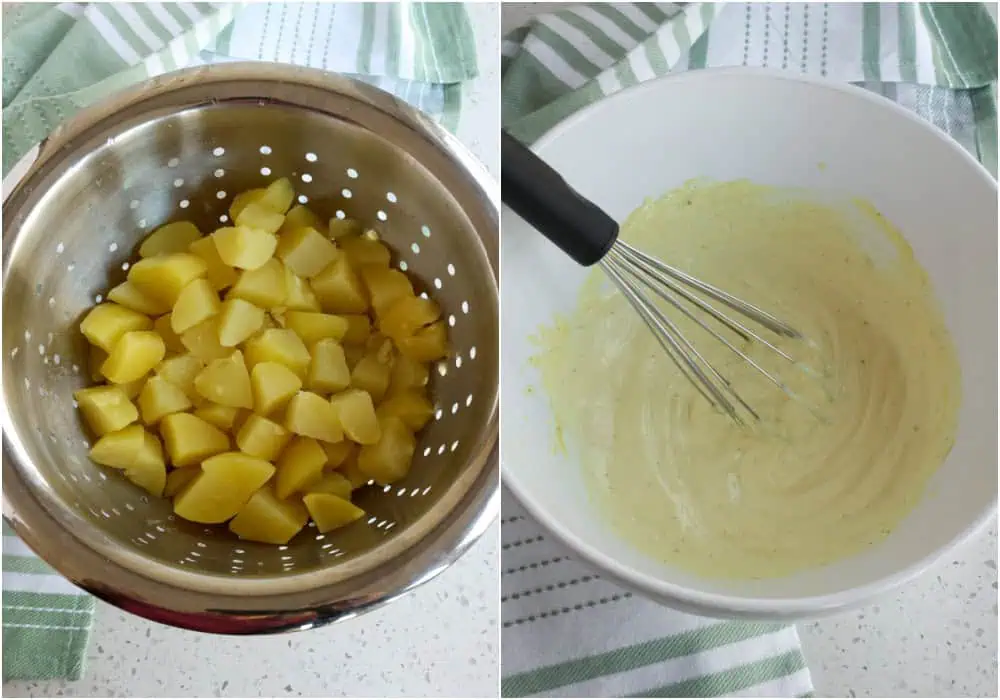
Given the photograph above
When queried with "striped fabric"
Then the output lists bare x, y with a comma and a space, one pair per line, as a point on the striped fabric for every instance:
60, 58
566, 632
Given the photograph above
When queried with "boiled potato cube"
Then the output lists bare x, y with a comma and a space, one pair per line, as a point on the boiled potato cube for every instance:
226, 381
226, 483
256, 217
371, 374
238, 320
427, 345
165, 276
129, 296
107, 323
330, 512
219, 274
202, 341
359, 328
411, 407
333, 483
149, 471
262, 438
172, 238
299, 295
352, 473
388, 460
181, 370
264, 287
177, 479
243, 247
342, 228
362, 250
353, 353
242, 199
328, 371
337, 453
406, 316
134, 388
222, 417
190, 439
119, 449
105, 408
301, 216
385, 286
135, 354
266, 518
312, 326
196, 303
273, 386
278, 195
356, 416
159, 398
305, 251
310, 415
279, 345
339, 290
300, 465
164, 328
407, 374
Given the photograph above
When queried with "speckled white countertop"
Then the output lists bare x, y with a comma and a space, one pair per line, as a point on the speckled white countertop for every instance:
440, 641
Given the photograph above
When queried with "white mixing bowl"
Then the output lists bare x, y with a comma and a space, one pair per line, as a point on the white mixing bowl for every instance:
773, 129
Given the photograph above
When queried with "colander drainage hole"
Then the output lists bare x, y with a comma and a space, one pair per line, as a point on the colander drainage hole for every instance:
306, 177
346, 193
381, 215
352, 173
265, 150
426, 231
427, 451
391, 196
265, 171
220, 172
311, 157
303, 199
221, 194
185, 204
218, 151
179, 182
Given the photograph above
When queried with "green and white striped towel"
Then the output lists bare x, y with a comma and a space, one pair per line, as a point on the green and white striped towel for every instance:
565, 631
61, 58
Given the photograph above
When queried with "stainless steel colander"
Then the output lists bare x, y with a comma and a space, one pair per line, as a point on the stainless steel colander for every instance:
181, 146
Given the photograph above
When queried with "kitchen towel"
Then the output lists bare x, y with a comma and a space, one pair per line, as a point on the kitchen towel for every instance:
61, 58
565, 631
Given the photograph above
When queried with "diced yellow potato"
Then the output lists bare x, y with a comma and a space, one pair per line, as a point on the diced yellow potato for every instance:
427, 345
310, 415
177, 479
238, 320
312, 326
190, 439
164, 328
279, 345
264, 287
262, 438
257, 217
105, 408
356, 416
134, 388
341, 228
222, 417
273, 386
242, 199
299, 296
411, 407
149, 471
226, 483
407, 374
359, 327
352, 473
129, 296
361, 250
300, 465
333, 483
135, 354
219, 274
226, 381
107, 323
388, 460
244, 247
121, 448
159, 398
172, 238
330, 512
353, 353
278, 195
385, 286
337, 453
305, 251
339, 290
328, 370
301, 216
196, 303
408, 315
371, 373
202, 341
266, 518
165, 276
181, 370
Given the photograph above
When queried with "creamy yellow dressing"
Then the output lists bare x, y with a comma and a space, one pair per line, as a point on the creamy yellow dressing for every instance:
819, 478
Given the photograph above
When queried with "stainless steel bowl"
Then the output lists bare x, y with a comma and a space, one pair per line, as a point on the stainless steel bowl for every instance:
181, 146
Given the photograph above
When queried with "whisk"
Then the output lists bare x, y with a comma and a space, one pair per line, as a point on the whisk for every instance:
586, 233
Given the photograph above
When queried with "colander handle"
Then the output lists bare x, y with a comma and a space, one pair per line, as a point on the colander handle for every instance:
540, 196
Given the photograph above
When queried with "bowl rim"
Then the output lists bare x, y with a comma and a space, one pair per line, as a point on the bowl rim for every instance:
718, 604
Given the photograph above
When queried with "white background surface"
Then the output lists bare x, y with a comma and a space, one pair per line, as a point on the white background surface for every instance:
440, 641
937, 637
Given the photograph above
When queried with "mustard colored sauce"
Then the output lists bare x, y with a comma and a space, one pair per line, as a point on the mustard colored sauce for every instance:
819, 478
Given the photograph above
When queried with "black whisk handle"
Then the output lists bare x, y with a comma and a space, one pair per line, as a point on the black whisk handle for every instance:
540, 196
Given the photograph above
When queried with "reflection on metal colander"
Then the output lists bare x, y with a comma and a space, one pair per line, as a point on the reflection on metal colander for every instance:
181, 147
